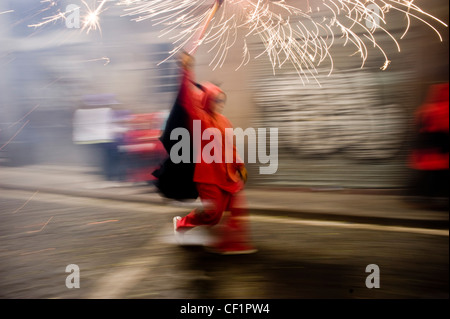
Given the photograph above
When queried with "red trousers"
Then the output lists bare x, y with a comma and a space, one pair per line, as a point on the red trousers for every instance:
233, 227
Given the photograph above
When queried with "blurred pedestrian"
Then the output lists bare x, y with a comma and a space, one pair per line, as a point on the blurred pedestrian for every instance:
119, 157
430, 154
219, 184
94, 127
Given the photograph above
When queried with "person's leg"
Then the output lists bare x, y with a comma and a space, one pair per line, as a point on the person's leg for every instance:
214, 201
233, 233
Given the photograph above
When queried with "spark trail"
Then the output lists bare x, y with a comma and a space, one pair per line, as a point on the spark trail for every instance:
300, 32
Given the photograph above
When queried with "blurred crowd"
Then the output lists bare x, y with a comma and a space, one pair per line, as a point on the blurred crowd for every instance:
124, 146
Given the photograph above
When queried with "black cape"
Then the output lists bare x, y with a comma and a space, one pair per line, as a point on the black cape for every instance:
175, 181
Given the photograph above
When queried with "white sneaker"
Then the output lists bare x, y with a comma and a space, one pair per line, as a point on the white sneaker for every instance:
178, 235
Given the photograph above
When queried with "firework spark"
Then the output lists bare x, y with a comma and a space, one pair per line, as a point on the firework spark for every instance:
300, 34
106, 60
5, 12
91, 16
17, 133
26, 203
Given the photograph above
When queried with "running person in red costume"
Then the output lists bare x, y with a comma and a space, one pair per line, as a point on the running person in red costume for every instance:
430, 155
219, 184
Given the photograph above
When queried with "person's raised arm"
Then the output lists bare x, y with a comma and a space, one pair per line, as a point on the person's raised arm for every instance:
187, 89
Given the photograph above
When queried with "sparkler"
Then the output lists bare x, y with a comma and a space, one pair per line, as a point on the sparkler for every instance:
300, 34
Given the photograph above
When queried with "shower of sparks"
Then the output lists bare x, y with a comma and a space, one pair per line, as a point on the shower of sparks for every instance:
91, 17
53, 18
300, 34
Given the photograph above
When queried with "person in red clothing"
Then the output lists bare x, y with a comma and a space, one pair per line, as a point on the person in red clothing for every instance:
430, 156
219, 184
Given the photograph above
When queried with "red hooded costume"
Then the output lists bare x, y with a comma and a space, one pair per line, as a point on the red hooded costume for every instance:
432, 120
218, 183
198, 103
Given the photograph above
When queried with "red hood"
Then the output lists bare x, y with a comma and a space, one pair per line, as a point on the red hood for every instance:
208, 95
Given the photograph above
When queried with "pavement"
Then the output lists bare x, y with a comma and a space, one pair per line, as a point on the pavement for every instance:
384, 207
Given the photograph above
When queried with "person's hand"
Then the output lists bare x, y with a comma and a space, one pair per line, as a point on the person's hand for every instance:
244, 174
186, 61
